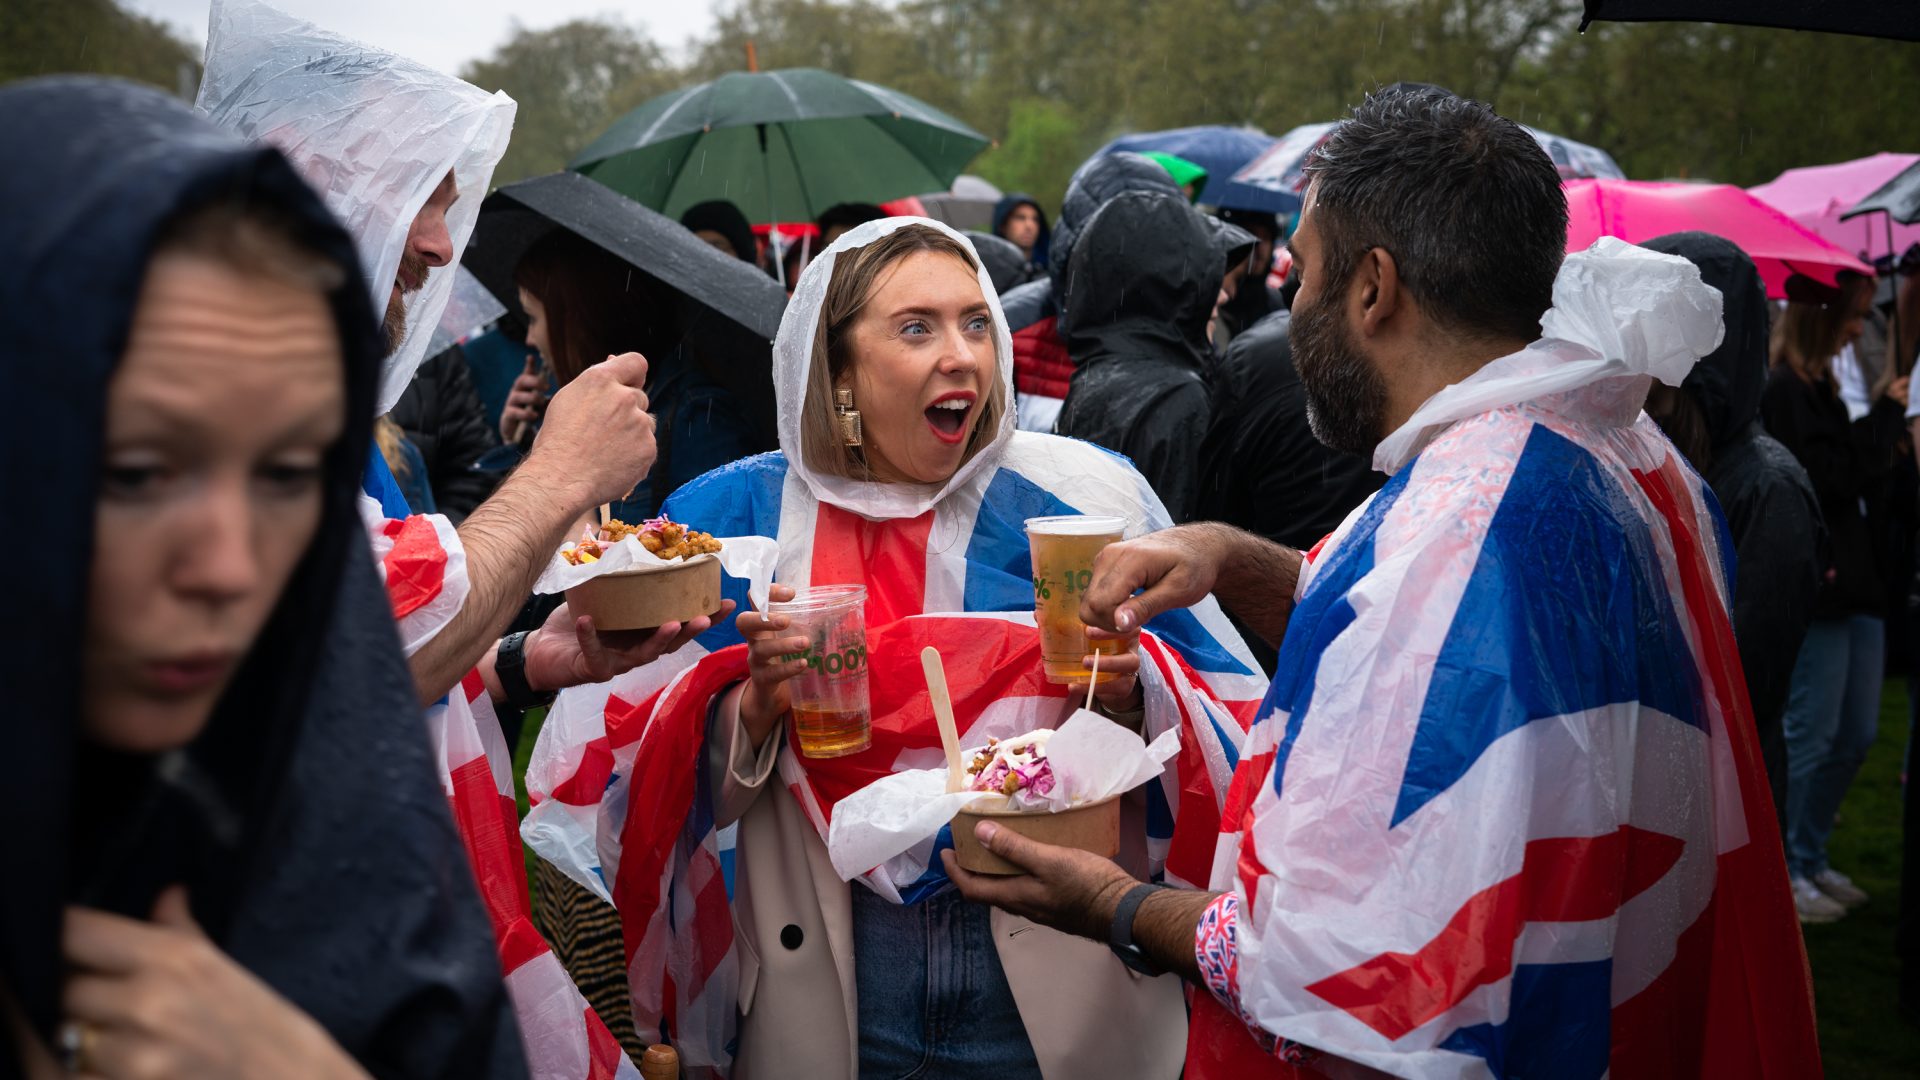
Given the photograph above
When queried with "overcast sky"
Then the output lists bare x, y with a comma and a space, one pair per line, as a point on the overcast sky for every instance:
447, 33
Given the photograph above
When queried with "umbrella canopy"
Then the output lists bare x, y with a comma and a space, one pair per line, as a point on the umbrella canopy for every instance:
1282, 168
1868, 18
780, 145
728, 311
1819, 197
968, 205
1633, 210
1222, 151
1899, 198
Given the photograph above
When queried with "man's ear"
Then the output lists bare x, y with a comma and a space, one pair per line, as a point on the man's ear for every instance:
1378, 296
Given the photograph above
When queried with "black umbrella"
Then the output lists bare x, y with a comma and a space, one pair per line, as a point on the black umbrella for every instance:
728, 312
1868, 18
1898, 198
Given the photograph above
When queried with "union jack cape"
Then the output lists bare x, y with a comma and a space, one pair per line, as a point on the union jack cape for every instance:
420, 558
1503, 812
623, 759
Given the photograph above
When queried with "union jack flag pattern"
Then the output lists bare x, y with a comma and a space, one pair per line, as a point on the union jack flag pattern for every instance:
1503, 813
424, 568
620, 762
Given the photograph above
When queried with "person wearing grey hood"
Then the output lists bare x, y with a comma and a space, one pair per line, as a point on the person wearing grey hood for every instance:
1778, 535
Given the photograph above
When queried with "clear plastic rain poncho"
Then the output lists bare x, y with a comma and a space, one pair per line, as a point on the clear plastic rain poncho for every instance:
615, 779
374, 134
1503, 812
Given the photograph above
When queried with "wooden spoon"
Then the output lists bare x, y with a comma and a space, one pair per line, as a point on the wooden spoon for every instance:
943, 713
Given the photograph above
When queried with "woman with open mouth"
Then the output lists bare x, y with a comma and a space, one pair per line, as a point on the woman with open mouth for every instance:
899, 471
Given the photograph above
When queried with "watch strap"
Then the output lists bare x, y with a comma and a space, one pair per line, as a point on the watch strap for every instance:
510, 667
1120, 932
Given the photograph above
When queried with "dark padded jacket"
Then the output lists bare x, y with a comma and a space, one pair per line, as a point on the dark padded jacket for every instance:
442, 415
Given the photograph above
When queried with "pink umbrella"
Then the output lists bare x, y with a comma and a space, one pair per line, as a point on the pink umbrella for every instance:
1636, 210
1816, 196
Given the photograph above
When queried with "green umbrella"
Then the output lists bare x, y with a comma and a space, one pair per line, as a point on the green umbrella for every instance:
780, 145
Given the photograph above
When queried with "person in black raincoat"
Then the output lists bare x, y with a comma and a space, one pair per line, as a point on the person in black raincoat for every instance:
1261, 469
1026, 231
1041, 367
298, 805
1142, 283
1778, 535
1255, 299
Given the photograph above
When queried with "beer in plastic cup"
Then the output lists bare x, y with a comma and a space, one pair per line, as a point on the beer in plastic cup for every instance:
1063, 552
830, 711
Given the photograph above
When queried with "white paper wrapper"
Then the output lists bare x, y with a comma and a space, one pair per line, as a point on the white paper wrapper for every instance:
747, 557
1093, 758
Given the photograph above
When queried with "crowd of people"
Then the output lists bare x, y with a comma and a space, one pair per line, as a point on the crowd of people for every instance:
1521, 616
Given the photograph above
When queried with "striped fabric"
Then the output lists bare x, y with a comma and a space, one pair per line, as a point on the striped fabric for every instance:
1503, 812
426, 582
621, 762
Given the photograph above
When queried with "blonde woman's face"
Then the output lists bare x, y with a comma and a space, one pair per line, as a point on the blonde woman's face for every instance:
921, 364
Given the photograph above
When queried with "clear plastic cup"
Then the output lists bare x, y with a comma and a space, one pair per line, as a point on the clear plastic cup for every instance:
1063, 552
831, 716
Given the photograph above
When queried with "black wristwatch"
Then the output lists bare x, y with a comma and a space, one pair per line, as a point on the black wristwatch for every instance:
510, 667
1120, 934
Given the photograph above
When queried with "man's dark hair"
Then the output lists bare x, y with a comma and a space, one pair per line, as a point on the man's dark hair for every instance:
1464, 199
846, 215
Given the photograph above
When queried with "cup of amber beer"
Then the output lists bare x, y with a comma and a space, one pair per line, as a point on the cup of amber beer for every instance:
1063, 552
830, 712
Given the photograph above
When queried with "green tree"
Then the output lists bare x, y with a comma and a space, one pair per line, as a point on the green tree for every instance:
571, 82
45, 37
1041, 150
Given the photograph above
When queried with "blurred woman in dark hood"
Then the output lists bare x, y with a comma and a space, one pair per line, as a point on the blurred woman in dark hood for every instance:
1714, 419
232, 873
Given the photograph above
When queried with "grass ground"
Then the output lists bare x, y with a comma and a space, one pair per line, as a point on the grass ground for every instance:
1854, 969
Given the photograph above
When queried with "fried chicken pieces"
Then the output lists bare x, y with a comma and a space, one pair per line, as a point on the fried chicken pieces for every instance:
660, 536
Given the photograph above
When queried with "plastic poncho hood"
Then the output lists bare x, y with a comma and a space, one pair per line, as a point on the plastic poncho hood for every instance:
372, 132
793, 359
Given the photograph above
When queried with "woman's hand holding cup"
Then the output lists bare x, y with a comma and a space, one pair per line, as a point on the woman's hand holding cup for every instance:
766, 697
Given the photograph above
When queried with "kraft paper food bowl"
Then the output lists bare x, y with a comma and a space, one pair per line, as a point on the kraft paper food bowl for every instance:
651, 596
1094, 827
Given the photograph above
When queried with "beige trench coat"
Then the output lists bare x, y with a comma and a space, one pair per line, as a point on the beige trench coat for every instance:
1087, 1016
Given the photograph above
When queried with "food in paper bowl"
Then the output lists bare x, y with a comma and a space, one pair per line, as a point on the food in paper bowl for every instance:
1019, 770
684, 587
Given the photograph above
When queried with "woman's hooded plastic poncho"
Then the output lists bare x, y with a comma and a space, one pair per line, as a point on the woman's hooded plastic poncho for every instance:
374, 133
331, 868
944, 564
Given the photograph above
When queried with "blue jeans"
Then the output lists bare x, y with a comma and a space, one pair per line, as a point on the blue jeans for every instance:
934, 1001
1833, 714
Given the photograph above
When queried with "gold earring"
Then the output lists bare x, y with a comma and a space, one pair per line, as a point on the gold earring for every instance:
848, 415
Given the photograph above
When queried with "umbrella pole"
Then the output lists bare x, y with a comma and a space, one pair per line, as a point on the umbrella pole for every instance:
1893, 318
773, 228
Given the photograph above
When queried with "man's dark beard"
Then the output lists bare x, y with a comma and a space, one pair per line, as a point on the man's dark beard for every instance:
394, 326
1346, 398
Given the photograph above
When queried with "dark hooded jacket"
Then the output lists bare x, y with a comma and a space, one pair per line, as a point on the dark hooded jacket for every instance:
1005, 208
442, 416
1261, 468
1771, 510
1040, 363
1006, 265
1141, 286
315, 845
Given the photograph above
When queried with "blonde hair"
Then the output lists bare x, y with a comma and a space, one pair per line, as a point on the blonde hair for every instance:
856, 274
